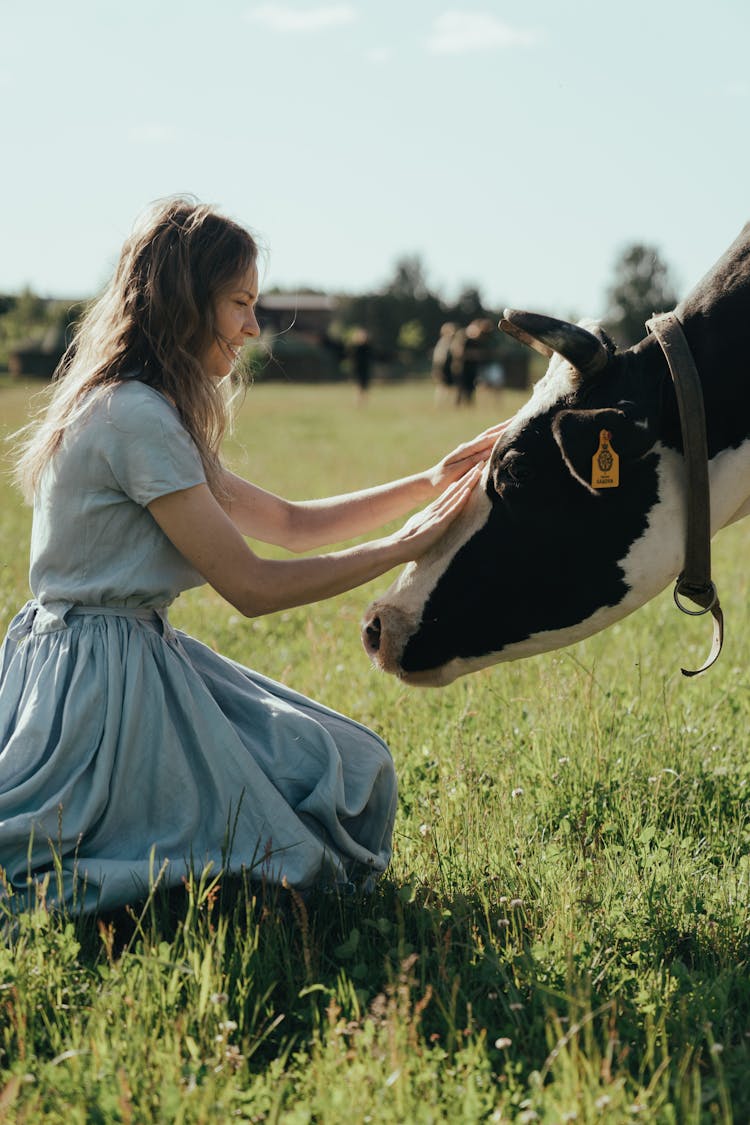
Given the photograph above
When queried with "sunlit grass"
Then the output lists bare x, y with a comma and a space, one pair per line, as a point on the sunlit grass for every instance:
563, 934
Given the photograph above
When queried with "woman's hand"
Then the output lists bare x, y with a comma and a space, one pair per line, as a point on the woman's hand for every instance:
427, 526
464, 457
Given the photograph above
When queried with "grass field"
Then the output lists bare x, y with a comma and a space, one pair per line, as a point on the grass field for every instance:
563, 934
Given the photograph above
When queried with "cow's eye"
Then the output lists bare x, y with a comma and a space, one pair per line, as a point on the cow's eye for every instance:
511, 471
519, 470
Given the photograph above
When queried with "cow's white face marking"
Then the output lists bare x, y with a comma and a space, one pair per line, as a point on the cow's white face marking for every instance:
559, 380
405, 599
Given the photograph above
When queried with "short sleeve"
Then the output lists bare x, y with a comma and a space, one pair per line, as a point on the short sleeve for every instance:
147, 448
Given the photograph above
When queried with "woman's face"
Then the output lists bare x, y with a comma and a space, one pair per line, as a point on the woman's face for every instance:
236, 323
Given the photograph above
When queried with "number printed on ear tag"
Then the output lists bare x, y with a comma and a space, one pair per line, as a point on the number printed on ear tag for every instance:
605, 464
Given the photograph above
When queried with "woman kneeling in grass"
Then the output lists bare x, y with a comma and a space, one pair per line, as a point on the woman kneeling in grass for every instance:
126, 746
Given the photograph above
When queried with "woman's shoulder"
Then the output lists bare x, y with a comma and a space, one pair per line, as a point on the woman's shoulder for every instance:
140, 435
131, 393
132, 405
124, 416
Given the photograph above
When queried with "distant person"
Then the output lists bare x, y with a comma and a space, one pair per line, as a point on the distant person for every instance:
132, 749
442, 362
361, 355
470, 351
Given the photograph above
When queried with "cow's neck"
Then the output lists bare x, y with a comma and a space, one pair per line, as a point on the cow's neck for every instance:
723, 373
726, 393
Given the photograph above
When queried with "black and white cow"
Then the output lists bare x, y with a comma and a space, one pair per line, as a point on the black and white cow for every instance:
543, 556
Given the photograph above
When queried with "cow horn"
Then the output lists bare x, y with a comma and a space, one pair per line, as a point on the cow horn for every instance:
545, 334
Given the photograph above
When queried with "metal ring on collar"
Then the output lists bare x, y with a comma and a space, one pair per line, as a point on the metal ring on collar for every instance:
711, 588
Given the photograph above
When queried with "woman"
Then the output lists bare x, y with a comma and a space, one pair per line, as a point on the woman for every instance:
128, 749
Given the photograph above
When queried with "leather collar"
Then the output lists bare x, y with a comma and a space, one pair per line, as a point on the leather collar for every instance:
694, 583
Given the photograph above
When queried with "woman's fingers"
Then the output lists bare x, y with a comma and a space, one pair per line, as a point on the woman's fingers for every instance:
469, 479
455, 495
477, 446
426, 527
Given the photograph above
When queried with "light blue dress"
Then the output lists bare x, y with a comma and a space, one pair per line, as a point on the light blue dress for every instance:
127, 747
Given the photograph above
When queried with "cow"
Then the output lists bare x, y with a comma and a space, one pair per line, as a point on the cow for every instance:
544, 553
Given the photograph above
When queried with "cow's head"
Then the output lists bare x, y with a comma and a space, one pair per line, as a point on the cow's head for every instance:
578, 519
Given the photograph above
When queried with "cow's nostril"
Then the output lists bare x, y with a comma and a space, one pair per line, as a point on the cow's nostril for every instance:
372, 634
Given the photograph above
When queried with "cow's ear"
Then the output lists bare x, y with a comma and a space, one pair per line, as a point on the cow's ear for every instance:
582, 434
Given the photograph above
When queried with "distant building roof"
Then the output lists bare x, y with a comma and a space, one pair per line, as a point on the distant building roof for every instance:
307, 314
302, 302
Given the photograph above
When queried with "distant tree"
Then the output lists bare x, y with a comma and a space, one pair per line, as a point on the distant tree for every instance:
404, 300
469, 306
404, 317
29, 311
409, 281
411, 336
27, 317
23, 317
641, 287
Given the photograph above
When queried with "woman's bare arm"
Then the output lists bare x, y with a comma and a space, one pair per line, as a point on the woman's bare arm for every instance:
203, 532
303, 525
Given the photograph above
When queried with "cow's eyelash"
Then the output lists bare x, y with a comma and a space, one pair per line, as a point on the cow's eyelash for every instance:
515, 466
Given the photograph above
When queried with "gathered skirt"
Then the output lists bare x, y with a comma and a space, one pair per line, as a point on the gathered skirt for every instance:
128, 748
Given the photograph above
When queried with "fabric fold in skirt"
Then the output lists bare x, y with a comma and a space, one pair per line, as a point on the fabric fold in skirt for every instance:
127, 747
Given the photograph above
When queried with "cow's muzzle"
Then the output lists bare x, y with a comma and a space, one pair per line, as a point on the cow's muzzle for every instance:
384, 633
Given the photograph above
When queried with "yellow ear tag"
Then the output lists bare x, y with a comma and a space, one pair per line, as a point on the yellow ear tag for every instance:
605, 464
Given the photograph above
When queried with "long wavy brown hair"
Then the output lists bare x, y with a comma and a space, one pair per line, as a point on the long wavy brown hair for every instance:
152, 322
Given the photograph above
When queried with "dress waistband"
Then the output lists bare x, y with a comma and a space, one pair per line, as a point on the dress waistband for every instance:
143, 613
50, 618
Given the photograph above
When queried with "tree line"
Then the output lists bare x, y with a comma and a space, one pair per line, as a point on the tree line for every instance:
405, 314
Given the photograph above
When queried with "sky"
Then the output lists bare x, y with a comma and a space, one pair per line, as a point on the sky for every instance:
515, 147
